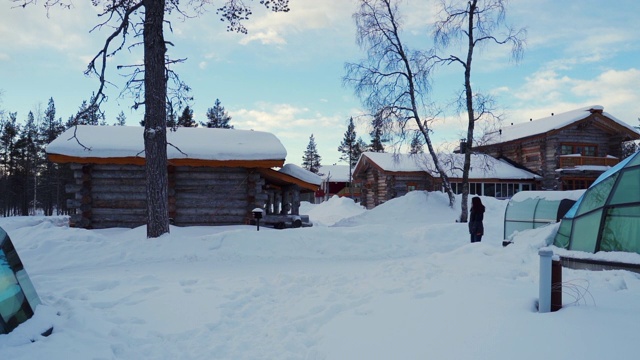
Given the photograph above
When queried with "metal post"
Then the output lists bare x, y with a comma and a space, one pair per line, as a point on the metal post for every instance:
544, 298
556, 283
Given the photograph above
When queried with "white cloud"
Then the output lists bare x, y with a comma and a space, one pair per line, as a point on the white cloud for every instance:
293, 125
549, 92
274, 28
60, 29
544, 86
611, 88
268, 37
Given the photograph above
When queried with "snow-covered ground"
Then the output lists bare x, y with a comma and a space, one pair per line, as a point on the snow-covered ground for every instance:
400, 281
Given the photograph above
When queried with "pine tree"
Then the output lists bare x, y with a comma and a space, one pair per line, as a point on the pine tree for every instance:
311, 159
26, 160
8, 137
51, 188
376, 134
217, 117
186, 119
417, 146
91, 115
348, 147
10, 130
172, 117
361, 147
121, 119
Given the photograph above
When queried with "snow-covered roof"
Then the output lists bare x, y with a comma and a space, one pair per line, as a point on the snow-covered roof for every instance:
544, 125
301, 174
335, 173
482, 166
547, 195
184, 143
600, 168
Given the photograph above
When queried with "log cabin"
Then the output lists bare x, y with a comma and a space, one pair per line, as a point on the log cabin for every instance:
216, 176
384, 176
569, 150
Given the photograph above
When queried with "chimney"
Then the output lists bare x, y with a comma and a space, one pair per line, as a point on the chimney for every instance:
463, 146
551, 114
597, 110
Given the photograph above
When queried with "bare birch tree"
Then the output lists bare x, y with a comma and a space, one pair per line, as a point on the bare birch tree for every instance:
128, 21
474, 22
392, 80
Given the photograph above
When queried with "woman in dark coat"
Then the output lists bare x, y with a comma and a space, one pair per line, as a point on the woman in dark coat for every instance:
476, 229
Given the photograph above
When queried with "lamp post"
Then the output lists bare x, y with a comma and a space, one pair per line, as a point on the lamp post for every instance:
257, 214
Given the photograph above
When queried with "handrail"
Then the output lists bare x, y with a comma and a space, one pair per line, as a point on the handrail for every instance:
567, 161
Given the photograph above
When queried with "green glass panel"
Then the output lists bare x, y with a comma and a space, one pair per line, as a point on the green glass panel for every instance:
585, 232
547, 211
564, 234
621, 230
17, 296
521, 210
596, 195
510, 227
628, 188
635, 161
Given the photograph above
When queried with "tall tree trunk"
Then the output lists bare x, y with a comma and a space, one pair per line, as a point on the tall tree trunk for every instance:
464, 212
155, 135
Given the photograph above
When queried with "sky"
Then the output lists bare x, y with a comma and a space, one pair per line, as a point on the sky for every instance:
386, 283
285, 75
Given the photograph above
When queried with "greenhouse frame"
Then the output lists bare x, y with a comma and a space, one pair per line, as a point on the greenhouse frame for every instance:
607, 216
533, 209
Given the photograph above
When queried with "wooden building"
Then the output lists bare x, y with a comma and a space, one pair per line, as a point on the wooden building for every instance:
216, 176
384, 176
569, 150
336, 180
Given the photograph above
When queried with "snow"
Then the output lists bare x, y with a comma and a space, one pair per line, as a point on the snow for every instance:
600, 168
482, 166
184, 143
335, 173
544, 125
400, 281
547, 195
301, 174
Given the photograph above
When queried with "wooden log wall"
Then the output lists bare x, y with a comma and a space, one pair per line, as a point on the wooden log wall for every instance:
371, 190
115, 195
207, 196
108, 196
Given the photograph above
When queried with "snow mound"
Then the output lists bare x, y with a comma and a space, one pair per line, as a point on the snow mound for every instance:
414, 207
332, 210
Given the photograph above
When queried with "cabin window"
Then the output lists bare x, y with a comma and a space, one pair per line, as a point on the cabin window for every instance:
489, 189
411, 187
576, 183
582, 149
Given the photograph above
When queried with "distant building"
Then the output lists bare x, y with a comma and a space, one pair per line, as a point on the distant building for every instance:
336, 181
384, 176
568, 150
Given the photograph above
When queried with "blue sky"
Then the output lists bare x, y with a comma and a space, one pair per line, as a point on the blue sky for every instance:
285, 75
